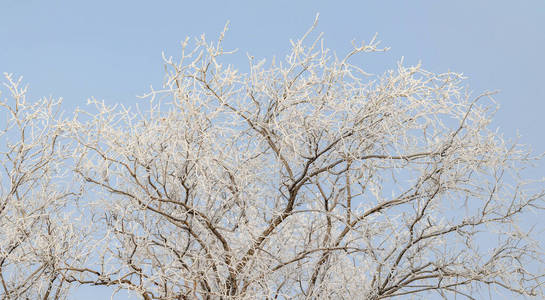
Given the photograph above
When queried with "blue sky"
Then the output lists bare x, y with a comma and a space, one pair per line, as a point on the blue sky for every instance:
112, 49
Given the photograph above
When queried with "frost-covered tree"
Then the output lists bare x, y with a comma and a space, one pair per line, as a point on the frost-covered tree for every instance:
35, 231
304, 178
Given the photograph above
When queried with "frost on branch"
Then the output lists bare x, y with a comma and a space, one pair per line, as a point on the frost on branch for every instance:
35, 236
305, 178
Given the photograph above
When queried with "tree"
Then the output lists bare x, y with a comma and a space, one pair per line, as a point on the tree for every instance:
306, 178
35, 240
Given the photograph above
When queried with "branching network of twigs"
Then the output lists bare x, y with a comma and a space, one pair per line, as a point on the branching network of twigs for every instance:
305, 178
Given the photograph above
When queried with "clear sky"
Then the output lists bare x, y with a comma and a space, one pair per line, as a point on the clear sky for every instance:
112, 49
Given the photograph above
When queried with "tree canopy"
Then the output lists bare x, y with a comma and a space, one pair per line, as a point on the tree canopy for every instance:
304, 178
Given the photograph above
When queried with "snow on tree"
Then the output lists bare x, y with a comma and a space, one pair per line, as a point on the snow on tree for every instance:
305, 178
36, 236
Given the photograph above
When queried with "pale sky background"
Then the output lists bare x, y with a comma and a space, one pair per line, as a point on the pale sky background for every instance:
111, 50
